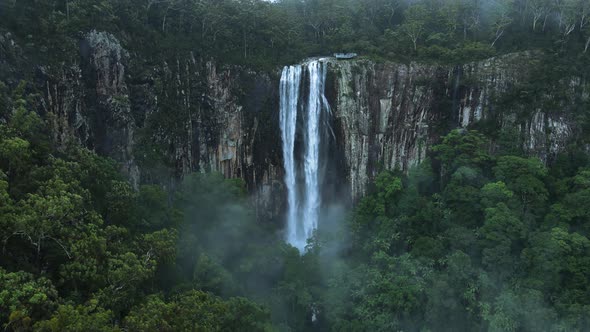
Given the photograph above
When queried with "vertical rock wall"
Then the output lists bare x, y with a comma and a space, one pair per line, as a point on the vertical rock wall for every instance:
162, 120
388, 115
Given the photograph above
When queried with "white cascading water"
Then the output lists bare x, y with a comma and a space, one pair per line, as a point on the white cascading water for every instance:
289, 89
312, 148
302, 219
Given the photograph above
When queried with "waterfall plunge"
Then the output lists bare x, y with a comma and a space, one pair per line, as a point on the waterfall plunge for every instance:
290, 85
304, 202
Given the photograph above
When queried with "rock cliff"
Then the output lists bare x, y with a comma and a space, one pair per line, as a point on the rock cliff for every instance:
159, 120
388, 115
163, 119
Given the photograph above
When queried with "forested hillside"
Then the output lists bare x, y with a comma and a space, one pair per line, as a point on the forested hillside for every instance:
480, 236
264, 33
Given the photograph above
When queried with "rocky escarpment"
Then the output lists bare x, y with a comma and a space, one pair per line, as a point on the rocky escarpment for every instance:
160, 119
388, 115
199, 117
166, 117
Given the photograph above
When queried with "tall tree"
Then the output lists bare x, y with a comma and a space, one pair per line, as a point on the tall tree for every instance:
414, 25
500, 16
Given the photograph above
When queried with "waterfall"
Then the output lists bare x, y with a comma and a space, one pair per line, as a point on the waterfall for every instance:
304, 199
289, 89
312, 147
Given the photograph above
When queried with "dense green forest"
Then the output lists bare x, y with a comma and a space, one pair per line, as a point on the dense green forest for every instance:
480, 237
497, 242
261, 33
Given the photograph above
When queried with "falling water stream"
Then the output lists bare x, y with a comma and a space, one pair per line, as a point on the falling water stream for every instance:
303, 182
290, 86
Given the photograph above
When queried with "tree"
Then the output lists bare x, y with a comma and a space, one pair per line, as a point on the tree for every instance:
15, 153
52, 217
525, 178
469, 15
121, 199
452, 302
5, 200
462, 148
495, 193
390, 296
388, 187
501, 19
69, 318
540, 10
461, 195
24, 298
568, 13
583, 9
124, 280
414, 24
572, 209
197, 311
154, 314
559, 265
501, 240
519, 309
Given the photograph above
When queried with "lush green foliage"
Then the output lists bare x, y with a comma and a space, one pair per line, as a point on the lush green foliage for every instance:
83, 251
469, 241
496, 243
488, 246
262, 33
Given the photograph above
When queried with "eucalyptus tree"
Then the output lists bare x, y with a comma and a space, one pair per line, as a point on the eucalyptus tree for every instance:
414, 25
540, 10
500, 17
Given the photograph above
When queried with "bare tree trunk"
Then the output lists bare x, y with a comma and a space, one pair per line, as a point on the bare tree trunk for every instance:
316, 31
535, 20
464, 31
545, 22
245, 46
392, 11
147, 11
587, 45
68, 10
537, 16
203, 29
180, 19
499, 35
525, 11
390, 18
165, 18
569, 29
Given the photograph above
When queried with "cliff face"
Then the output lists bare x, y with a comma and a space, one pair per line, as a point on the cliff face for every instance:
161, 120
388, 115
